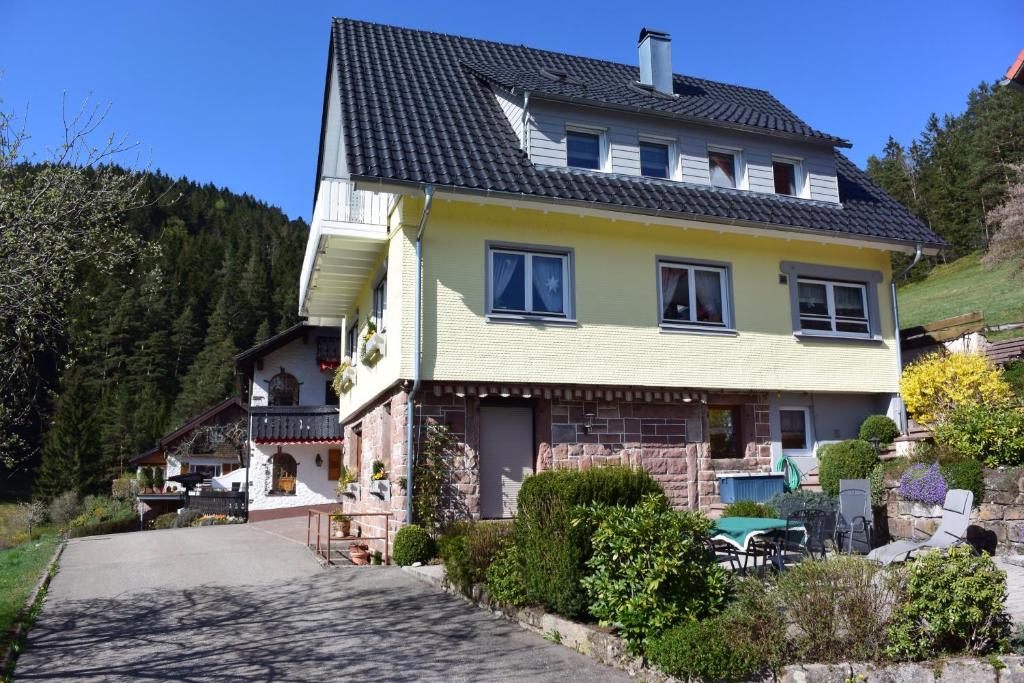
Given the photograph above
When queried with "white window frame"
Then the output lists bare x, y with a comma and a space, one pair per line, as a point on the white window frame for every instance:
674, 172
831, 304
741, 166
352, 336
724, 281
568, 313
808, 432
604, 152
799, 175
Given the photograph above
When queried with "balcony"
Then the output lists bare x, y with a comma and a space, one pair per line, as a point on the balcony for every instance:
347, 237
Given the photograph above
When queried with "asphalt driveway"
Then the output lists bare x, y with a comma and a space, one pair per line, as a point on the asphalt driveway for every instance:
236, 603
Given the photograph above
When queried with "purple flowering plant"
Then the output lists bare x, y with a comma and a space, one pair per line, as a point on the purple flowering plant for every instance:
923, 484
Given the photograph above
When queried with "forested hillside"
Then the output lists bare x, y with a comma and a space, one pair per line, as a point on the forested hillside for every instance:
958, 169
154, 343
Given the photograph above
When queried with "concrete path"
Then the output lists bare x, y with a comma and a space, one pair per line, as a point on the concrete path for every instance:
236, 603
1014, 585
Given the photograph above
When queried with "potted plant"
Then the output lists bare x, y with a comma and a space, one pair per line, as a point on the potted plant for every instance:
373, 343
341, 524
359, 553
378, 471
346, 476
376, 557
158, 479
344, 376
145, 479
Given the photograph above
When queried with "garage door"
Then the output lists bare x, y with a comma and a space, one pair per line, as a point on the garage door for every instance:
506, 457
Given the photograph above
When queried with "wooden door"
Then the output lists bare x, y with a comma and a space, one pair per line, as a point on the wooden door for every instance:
506, 457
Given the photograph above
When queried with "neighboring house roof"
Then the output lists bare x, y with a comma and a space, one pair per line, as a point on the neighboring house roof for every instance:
418, 109
245, 361
296, 424
232, 406
1015, 74
154, 456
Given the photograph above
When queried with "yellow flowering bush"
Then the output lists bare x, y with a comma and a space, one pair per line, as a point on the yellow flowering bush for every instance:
937, 383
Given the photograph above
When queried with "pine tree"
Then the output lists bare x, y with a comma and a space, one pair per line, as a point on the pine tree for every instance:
72, 454
210, 379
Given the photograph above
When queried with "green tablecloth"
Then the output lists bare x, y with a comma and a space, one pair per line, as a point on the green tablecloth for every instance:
739, 530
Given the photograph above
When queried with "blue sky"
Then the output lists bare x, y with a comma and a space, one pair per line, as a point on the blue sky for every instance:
231, 92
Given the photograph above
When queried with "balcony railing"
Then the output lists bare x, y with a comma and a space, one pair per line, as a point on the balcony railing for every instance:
339, 201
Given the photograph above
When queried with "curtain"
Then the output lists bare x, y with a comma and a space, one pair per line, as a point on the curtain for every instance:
547, 283
723, 170
813, 298
504, 268
709, 296
849, 302
673, 285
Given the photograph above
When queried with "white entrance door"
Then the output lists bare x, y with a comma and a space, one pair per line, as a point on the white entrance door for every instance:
506, 457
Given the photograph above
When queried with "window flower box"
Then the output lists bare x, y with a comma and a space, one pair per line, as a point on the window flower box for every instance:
381, 488
348, 379
352, 490
373, 348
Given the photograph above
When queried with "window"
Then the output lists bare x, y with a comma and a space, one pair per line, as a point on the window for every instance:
785, 177
583, 149
380, 303
722, 168
693, 294
352, 339
724, 432
355, 449
793, 425
654, 159
833, 308
529, 282
333, 464
283, 390
284, 474
208, 471
331, 397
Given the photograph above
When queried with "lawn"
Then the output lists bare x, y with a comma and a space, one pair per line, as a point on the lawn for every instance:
20, 568
963, 286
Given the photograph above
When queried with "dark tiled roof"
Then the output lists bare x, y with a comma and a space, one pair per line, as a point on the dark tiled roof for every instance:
295, 424
417, 111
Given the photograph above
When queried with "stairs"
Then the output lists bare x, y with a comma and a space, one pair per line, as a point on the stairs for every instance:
809, 481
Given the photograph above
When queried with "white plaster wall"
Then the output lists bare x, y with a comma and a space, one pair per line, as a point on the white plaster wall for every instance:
298, 359
311, 488
173, 469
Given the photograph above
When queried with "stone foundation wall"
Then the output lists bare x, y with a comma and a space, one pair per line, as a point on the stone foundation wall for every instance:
997, 524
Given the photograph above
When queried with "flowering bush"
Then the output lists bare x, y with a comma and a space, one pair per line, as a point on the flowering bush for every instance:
936, 384
923, 484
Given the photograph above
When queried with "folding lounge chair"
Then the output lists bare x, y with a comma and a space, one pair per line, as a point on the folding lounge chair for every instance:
854, 518
956, 515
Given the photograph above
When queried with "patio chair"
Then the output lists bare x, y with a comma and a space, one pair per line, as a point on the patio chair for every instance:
952, 531
719, 551
854, 517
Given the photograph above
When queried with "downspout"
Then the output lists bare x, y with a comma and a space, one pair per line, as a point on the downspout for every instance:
918, 253
410, 411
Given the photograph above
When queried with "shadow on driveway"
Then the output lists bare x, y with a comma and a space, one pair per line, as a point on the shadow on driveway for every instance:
342, 624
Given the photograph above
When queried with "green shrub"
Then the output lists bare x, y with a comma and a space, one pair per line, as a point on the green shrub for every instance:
650, 570
993, 435
64, 508
1013, 373
964, 473
552, 550
837, 609
955, 604
165, 520
120, 523
878, 427
747, 508
504, 582
413, 544
852, 459
801, 497
746, 640
468, 549
185, 518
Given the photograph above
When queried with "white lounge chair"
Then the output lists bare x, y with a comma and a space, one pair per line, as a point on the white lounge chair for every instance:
956, 515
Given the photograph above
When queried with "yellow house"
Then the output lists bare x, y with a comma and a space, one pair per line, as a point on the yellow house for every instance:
572, 263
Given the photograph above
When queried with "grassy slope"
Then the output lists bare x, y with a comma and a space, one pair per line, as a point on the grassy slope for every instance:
963, 287
20, 568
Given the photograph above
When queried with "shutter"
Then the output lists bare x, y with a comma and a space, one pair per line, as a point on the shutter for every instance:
334, 464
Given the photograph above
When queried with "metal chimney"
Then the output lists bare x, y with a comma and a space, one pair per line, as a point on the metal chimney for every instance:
656, 59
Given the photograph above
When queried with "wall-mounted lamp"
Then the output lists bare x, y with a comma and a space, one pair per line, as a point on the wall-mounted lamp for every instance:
319, 460
588, 422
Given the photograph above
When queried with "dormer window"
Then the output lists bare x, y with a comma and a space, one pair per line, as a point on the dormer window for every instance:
584, 148
722, 168
654, 159
788, 178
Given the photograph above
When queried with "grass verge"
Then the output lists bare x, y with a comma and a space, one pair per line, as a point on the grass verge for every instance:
20, 569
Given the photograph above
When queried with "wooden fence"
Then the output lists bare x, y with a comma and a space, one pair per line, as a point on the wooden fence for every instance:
230, 503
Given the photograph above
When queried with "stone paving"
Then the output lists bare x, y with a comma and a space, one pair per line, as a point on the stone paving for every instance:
1013, 565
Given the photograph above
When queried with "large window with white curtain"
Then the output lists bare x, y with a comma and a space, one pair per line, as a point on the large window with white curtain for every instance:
529, 282
693, 295
833, 308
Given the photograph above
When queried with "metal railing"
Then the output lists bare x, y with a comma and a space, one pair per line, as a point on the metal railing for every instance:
322, 544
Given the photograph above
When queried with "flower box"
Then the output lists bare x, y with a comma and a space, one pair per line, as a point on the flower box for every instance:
352, 490
348, 379
373, 348
381, 488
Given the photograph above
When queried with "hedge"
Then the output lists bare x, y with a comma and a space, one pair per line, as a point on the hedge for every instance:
551, 549
117, 525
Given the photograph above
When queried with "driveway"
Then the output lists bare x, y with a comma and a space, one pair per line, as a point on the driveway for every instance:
239, 603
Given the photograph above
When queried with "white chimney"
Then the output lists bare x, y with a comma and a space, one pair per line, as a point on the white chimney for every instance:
656, 59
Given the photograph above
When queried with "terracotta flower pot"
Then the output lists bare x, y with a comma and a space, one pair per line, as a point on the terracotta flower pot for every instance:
359, 553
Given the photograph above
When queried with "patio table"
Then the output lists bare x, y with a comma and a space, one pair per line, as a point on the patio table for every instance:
738, 532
